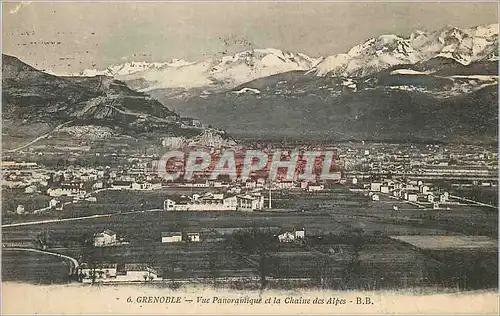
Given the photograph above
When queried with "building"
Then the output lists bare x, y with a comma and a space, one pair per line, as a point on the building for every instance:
300, 234
101, 271
106, 238
193, 237
285, 184
250, 184
412, 197
20, 209
430, 198
249, 202
286, 237
375, 186
424, 189
121, 185
290, 236
304, 185
200, 183
215, 202
68, 189
30, 189
56, 204
112, 272
168, 237
316, 187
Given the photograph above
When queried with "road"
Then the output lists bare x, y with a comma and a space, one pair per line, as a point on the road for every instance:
74, 263
472, 201
47, 221
39, 138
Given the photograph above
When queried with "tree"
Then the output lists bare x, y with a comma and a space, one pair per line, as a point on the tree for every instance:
89, 254
213, 259
256, 242
42, 240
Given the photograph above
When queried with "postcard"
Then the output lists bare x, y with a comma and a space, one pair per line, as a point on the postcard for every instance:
249, 157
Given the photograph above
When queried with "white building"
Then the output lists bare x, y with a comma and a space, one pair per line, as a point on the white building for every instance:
316, 187
215, 202
424, 189
291, 236
168, 237
430, 198
20, 209
286, 237
375, 186
250, 184
285, 184
193, 237
30, 189
412, 197
106, 238
118, 273
300, 234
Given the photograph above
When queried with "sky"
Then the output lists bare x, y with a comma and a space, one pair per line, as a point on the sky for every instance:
69, 37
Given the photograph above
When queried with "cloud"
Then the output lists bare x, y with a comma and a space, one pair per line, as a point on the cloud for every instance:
19, 6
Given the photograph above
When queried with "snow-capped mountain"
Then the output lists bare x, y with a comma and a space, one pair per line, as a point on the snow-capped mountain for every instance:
464, 46
376, 54
130, 68
225, 72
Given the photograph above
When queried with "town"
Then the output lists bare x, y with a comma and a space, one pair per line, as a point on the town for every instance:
122, 222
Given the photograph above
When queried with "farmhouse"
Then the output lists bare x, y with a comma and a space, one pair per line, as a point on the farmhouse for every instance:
106, 238
288, 236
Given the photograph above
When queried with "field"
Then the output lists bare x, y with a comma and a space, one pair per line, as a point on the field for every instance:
348, 242
33, 267
11, 198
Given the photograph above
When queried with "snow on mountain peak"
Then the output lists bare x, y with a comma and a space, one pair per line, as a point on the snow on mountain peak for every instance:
463, 45
223, 72
375, 54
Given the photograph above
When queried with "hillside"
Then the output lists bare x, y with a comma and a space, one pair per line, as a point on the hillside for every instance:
35, 102
436, 85
398, 104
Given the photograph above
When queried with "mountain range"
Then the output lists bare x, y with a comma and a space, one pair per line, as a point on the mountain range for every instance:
429, 86
225, 72
376, 54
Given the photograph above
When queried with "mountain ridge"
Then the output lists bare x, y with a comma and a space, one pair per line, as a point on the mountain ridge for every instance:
479, 43
91, 107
